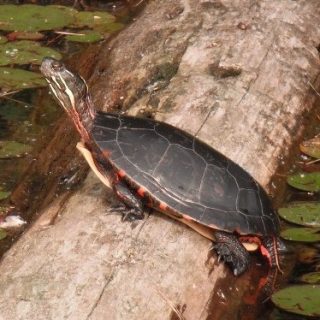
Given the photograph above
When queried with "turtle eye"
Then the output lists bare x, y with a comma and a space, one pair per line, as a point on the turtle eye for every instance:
56, 66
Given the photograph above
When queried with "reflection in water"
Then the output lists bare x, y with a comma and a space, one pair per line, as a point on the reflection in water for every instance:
247, 297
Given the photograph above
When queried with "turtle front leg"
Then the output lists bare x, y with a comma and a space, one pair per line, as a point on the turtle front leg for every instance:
131, 206
230, 249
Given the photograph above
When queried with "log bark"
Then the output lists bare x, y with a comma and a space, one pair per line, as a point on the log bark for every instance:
236, 74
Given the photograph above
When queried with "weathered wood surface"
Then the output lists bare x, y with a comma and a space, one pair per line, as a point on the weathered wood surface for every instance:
236, 74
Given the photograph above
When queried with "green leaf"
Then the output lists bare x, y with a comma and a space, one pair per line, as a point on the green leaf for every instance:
30, 17
4, 194
301, 234
299, 299
3, 39
86, 36
311, 147
101, 22
110, 27
13, 149
305, 181
92, 19
24, 52
3, 234
17, 79
303, 213
312, 278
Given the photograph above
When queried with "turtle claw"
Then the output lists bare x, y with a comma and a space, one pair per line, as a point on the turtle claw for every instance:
231, 251
237, 263
131, 206
128, 214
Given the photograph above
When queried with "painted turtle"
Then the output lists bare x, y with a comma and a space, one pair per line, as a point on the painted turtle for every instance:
153, 164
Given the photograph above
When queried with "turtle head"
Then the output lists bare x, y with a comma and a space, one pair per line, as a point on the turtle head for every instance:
71, 91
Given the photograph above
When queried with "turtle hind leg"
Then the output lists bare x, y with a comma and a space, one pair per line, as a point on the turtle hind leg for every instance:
131, 206
230, 249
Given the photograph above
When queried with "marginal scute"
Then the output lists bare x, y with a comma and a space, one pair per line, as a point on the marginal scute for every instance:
175, 136
212, 157
136, 123
107, 120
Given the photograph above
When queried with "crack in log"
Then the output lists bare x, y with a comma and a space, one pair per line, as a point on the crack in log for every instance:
108, 280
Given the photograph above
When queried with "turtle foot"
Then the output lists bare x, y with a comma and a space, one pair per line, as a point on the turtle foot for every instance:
230, 249
128, 214
131, 206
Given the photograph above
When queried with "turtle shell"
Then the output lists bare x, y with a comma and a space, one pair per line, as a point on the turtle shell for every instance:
185, 174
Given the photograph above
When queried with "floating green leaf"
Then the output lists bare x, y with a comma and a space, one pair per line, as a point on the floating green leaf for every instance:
13, 149
311, 147
92, 19
110, 27
303, 213
3, 40
3, 234
30, 17
299, 299
4, 194
301, 234
17, 79
305, 181
312, 278
24, 52
85, 36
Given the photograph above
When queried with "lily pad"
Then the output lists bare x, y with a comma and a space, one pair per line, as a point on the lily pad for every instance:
4, 194
305, 181
311, 147
30, 17
13, 149
20, 35
110, 27
3, 39
17, 79
299, 299
312, 278
86, 36
301, 234
302, 213
3, 234
24, 52
92, 19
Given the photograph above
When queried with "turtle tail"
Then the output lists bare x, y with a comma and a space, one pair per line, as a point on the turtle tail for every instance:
270, 249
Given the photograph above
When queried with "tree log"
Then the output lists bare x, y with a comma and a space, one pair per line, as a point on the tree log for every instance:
237, 75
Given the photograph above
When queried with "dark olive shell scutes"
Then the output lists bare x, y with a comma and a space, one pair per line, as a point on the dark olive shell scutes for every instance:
186, 174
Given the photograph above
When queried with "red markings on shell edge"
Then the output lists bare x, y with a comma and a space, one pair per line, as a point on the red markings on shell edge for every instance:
141, 191
121, 173
106, 153
188, 218
163, 206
